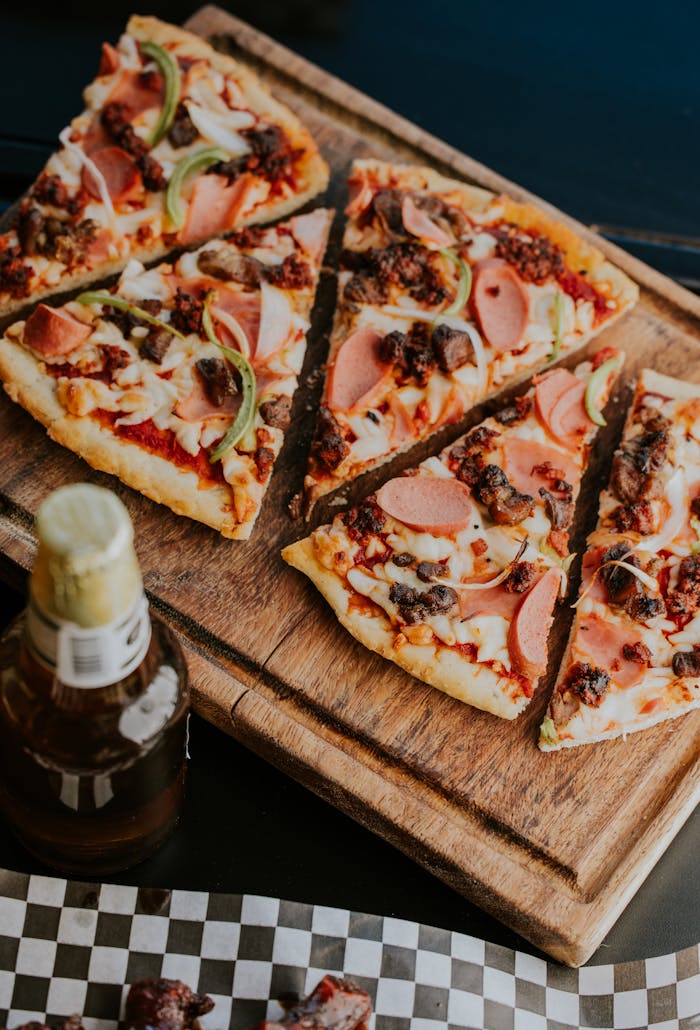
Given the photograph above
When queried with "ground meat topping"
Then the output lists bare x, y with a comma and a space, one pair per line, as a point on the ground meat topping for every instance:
403, 559
686, 663
271, 155
218, 379
54, 238
329, 448
292, 274
467, 459
29, 227
367, 519
427, 571
452, 348
634, 469
415, 605
15, 276
684, 600
152, 173
406, 264
155, 344
277, 411
559, 510
588, 683
520, 577
113, 358
507, 507
534, 256
227, 265
515, 412
164, 1005
636, 518
182, 131
115, 121
187, 314
637, 652
386, 207
127, 321
410, 353
264, 459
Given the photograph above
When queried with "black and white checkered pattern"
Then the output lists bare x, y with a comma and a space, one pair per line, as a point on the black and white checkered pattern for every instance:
69, 947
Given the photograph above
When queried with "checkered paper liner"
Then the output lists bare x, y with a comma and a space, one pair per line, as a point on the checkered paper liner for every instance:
72, 947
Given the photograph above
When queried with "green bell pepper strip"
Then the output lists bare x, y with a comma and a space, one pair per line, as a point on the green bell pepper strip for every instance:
593, 386
171, 74
558, 326
464, 287
95, 297
246, 413
192, 163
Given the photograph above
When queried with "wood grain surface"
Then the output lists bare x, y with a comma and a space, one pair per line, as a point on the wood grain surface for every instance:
554, 845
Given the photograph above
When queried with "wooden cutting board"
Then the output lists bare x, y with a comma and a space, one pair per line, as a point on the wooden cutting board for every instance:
554, 845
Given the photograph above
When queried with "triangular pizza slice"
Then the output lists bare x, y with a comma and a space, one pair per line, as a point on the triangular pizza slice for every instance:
634, 653
177, 144
453, 570
447, 293
180, 379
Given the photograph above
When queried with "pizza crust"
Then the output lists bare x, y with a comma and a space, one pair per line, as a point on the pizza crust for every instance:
417, 177
440, 667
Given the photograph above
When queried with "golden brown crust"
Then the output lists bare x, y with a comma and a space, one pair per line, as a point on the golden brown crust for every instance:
440, 667
418, 177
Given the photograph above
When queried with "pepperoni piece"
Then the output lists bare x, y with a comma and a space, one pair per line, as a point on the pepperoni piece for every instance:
418, 224
600, 643
138, 92
310, 232
196, 406
522, 457
357, 374
213, 206
427, 503
119, 171
550, 387
53, 332
500, 302
527, 637
109, 60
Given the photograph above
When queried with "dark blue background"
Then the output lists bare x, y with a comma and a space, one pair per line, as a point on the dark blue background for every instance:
594, 107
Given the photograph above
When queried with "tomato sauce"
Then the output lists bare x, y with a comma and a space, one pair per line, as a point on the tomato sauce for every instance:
164, 443
579, 288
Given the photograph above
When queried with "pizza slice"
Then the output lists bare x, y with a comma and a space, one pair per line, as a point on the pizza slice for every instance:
180, 379
447, 293
177, 144
453, 570
634, 652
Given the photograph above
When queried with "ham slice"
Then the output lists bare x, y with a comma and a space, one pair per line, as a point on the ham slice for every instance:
527, 637
244, 306
589, 566
357, 375
310, 232
120, 173
52, 332
600, 643
138, 92
213, 207
427, 503
500, 303
197, 407
419, 224
489, 601
522, 457
404, 427
276, 321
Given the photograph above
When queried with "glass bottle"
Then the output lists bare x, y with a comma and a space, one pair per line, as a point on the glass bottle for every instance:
93, 697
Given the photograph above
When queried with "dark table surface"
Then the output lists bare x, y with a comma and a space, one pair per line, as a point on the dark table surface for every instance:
597, 112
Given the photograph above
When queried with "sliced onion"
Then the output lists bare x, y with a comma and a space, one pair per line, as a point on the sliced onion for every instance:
675, 495
84, 161
221, 129
275, 321
487, 584
234, 327
416, 315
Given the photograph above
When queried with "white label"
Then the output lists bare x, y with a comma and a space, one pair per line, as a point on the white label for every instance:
93, 657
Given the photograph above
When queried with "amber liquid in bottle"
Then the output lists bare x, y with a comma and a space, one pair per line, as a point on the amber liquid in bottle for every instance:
91, 772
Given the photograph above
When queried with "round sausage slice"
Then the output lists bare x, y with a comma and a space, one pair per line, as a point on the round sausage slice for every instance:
427, 503
527, 637
357, 371
549, 389
53, 332
568, 420
501, 303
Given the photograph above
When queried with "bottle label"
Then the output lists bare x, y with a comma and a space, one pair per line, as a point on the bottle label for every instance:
93, 657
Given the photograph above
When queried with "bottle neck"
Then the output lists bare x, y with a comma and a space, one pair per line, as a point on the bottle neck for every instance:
93, 656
